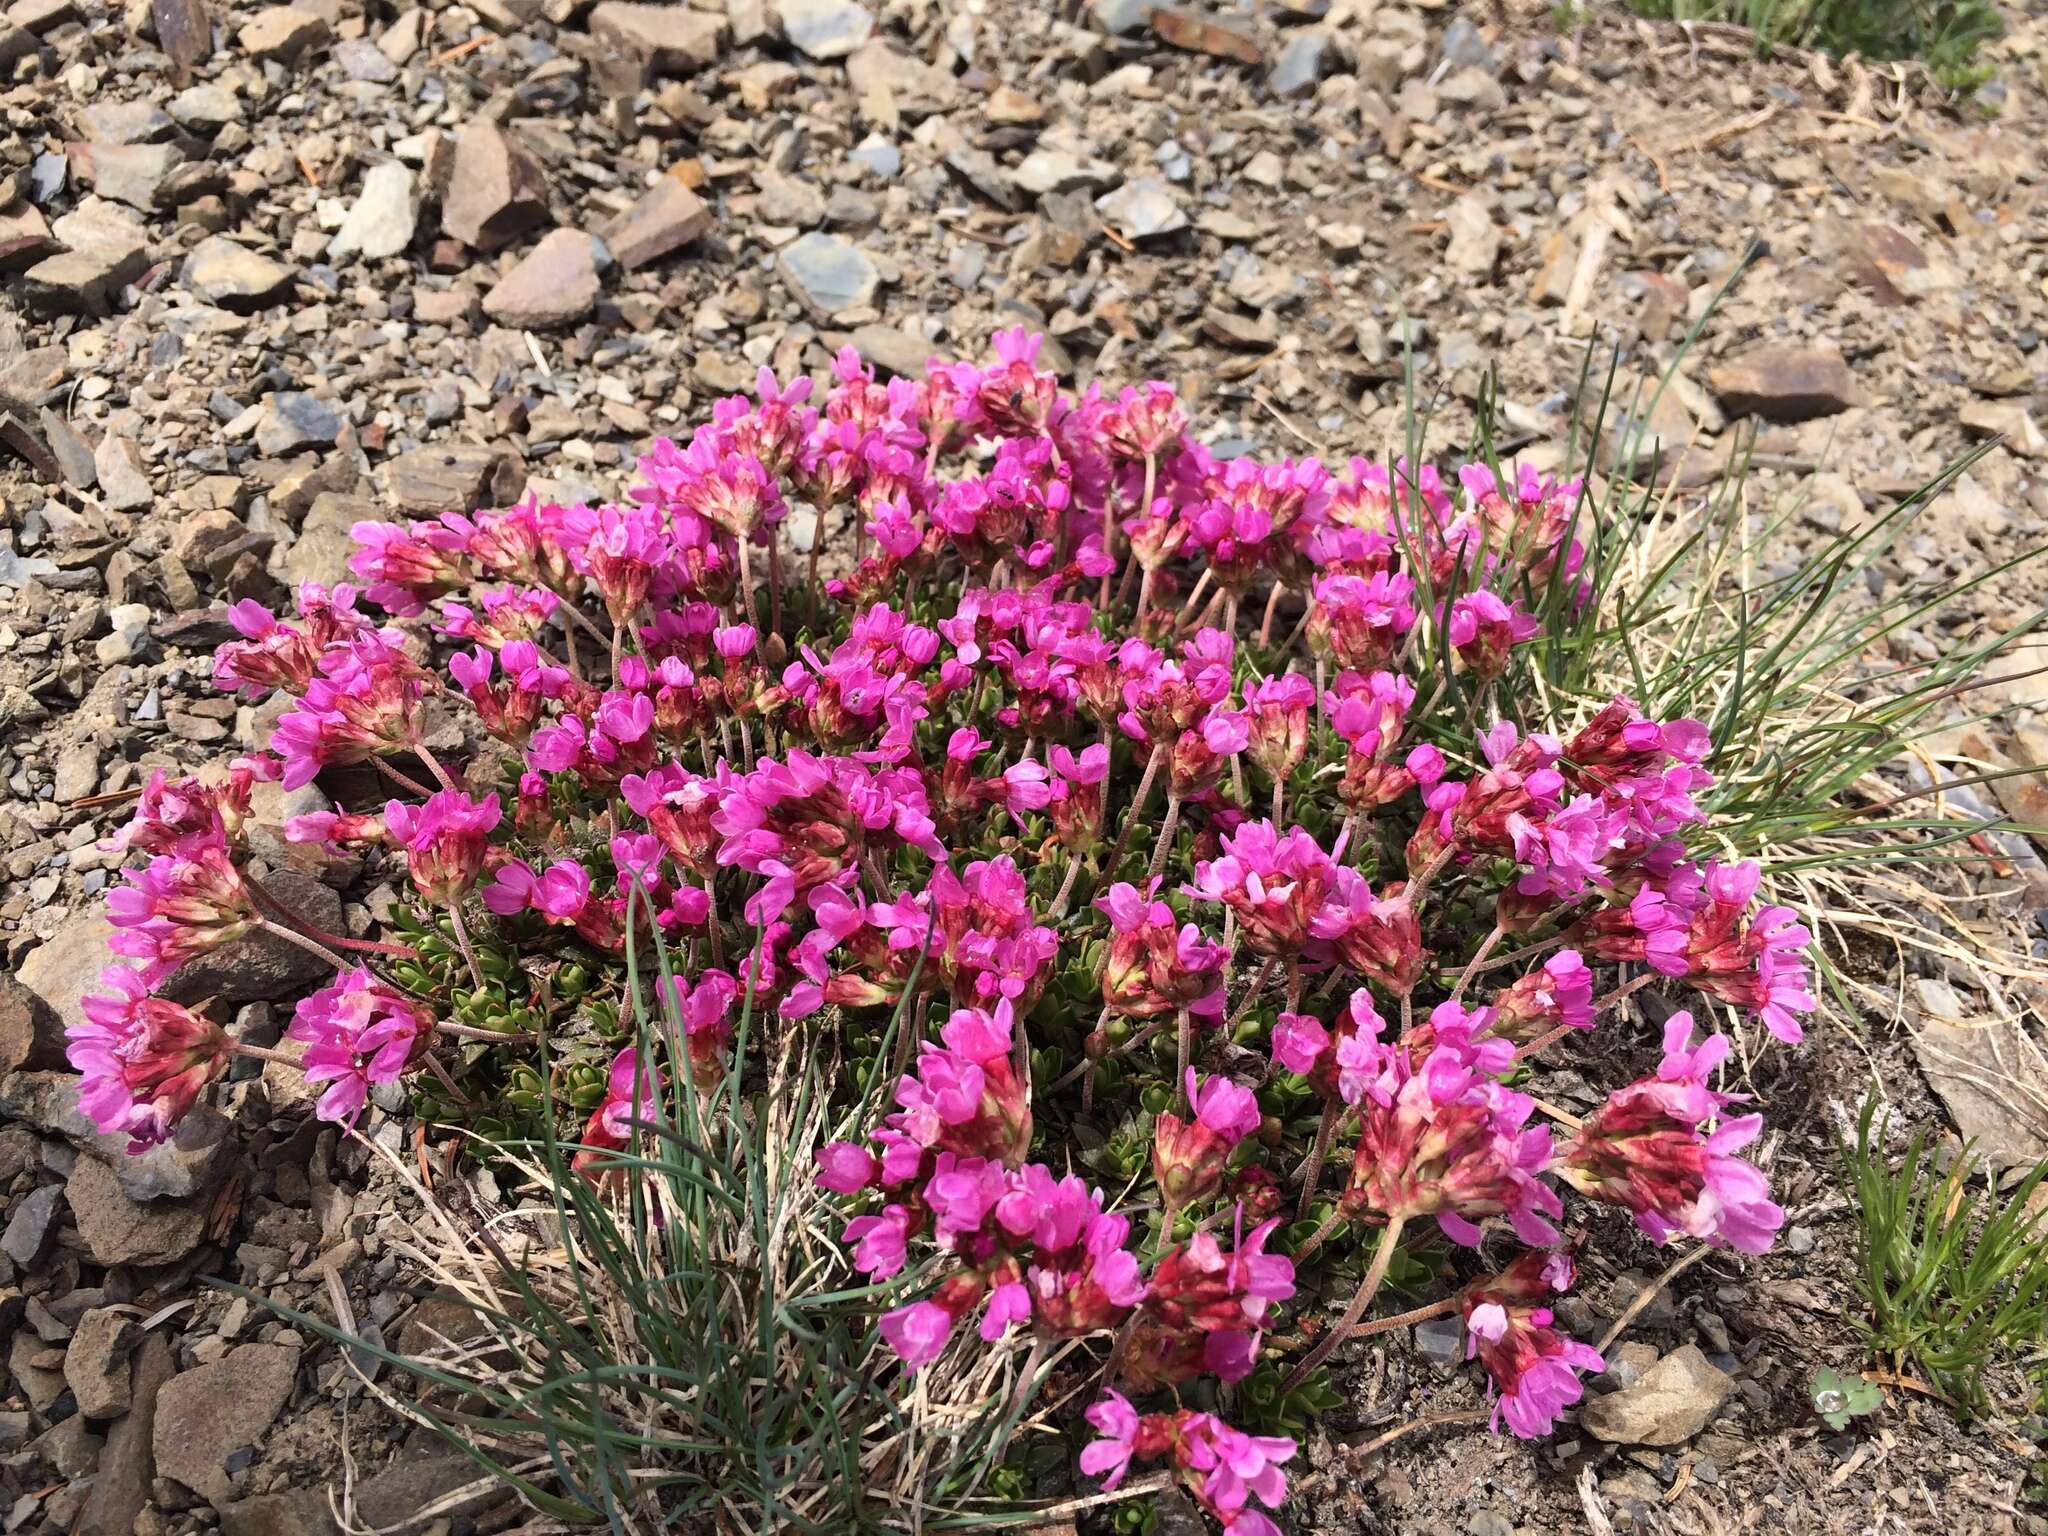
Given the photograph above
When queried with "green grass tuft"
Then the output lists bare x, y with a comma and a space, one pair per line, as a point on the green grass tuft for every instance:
1945, 35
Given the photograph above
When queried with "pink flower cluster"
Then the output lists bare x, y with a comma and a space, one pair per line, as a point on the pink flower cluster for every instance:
1083, 762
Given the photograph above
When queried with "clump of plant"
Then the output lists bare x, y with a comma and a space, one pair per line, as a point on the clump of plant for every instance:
1953, 1277
1162, 879
1948, 36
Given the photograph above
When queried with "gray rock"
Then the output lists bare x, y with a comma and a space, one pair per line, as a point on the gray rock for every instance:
828, 274
61, 970
188, 1164
1142, 209
206, 108
554, 284
672, 39
389, 1499
294, 1512
29, 1227
229, 274
130, 637
132, 173
1060, 170
1440, 1340
205, 1415
96, 1363
496, 190
788, 200
293, 420
82, 281
825, 29
321, 551
118, 1230
898, 351
126, 122
120, 1488
1670, 1403
68, 1449
1463, 47
879, 155
1475, 242
31, 1031
117, 465
362, 60
383, 217
77, 775
1300, 64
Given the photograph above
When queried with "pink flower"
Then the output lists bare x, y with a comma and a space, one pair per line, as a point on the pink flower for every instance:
917, 1332
1275, 884
632, 1098
1154, 966
1188, 1157
143, 1061
358, 1033
444, 840
846, 1167
1560, 991
1532, 1366
1276, 713
407, 566
1482, 629
178, 906
1110, 1457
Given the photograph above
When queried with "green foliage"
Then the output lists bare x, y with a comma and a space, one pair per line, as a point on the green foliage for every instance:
1954, 1281
1838, 1399
1946, 35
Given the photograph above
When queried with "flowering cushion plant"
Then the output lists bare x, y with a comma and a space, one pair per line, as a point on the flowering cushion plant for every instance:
1096, 799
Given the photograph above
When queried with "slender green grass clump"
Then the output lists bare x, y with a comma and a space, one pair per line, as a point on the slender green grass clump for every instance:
1948, 36
1953, 1278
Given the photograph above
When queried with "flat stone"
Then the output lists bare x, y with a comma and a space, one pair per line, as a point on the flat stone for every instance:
258, 966
125, 122
124, 484
293, 420
824, 29
671, 38
224, 272
1198, 33
788, 200
1785, 383
184, 32
292, 1512
61, 970
1475, 241
915, 88
206, 107
118, 1230
82, 281
383, 217
120, 1487
496, 190
96, 1362
1981, 1069
828, 274
133, 173
1060, 170
667, 217
282, 32
1142, 209
1669, 1404
458, 477
387, 1500
897, 351
554, 284
363, 61
68, 1449
205, 1415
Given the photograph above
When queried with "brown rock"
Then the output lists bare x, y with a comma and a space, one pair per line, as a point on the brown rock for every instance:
1671, 1402
132, 173
31, 1033
96, 1362
496, 190
118, 1230
1782, 382
1206, 34
82, 281
184, 30
555, 284
667, 217
121, 1487
282, 32
456, 477
671, 39
205, 1415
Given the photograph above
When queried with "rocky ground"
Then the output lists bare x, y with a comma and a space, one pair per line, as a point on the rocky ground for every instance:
270, 270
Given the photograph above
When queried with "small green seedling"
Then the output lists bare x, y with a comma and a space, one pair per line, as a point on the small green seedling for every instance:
1838, 1399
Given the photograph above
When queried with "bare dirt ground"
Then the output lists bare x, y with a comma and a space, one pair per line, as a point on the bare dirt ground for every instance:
337, 263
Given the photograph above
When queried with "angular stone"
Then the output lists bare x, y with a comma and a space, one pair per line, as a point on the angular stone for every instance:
667, 217
824, 29
1670, 1403
282, 32
133, 173
496, 190
1979, 1067
321, 551
828, 274
1142, 209
381, 221
293, 1512
1198, 33
205, 1415
1300, 64
29, 1226
224, 272
293, 419
24, 237
413, 1482
788, 200
1782, 382
118, 1230
206, 108
1475, 242
31, 1033
898, 351
459, 477
124, 484
120, 1488
126, 122
61, 970
190, 1163
1061, 170
362, 60
184, 31
917, 89
261, 965
96, 1363
672, 39
69, 1448
554, 284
